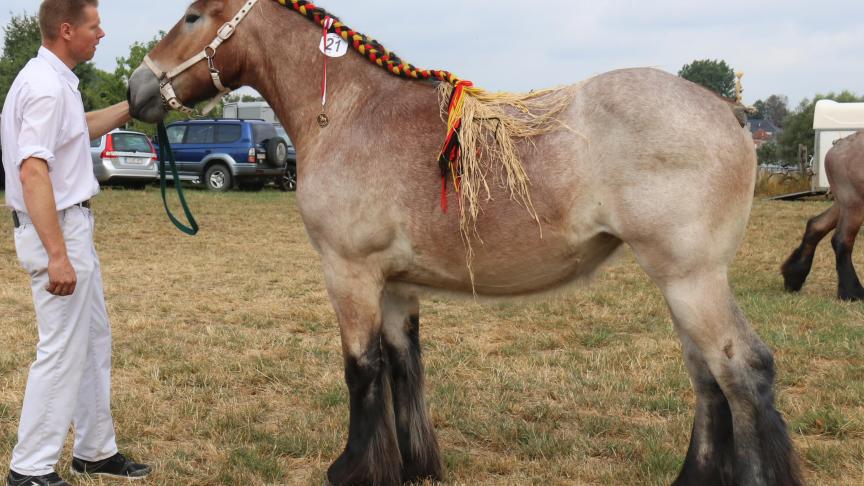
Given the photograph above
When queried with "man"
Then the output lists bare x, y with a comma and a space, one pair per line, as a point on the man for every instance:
49, 183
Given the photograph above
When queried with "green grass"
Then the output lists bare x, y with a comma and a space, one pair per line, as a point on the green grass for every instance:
228, 367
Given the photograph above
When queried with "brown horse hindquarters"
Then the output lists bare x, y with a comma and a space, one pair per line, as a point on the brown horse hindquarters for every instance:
844, 166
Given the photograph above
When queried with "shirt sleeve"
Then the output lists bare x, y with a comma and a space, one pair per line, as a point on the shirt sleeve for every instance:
41, 122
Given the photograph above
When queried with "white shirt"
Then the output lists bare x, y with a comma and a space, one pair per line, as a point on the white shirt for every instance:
43, 117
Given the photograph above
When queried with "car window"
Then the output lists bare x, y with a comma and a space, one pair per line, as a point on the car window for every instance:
96, 142
130, 142
282, 133
263, 131
199, 134
175, 133
227, 133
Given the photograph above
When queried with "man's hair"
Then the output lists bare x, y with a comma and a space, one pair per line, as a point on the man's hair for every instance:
54, 13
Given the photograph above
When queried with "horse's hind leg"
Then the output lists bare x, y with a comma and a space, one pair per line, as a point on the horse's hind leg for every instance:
371, 456
848, 285
417, 442
797, 266
739, 438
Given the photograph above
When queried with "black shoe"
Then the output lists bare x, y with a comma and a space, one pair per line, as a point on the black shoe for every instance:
117, 466
53, 479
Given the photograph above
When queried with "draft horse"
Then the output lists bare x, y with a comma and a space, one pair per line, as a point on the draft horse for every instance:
641, 158
844, 166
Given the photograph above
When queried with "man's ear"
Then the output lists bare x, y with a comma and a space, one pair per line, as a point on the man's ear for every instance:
66, 31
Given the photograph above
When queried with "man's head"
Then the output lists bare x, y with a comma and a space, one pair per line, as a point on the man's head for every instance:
71, 28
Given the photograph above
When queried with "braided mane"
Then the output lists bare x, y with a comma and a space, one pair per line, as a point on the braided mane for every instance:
370, 48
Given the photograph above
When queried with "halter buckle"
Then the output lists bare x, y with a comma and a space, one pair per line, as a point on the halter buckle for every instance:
226, 31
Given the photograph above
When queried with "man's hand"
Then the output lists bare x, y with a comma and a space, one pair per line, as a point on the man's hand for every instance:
61, 277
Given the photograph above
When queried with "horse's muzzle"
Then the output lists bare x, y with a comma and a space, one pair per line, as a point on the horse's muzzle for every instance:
145, 101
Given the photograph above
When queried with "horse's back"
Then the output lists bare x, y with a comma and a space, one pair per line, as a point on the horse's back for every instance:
844, 166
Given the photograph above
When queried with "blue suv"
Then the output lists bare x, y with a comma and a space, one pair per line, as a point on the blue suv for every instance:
223, 154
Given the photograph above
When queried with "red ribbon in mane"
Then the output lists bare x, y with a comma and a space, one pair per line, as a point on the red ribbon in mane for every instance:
448, 159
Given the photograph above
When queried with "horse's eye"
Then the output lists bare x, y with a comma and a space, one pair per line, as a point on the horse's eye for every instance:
192, 18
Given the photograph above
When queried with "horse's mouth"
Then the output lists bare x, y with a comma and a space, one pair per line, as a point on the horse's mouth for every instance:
145, 100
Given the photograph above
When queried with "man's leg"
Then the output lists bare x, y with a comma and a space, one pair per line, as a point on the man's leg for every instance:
94, 427
55, 376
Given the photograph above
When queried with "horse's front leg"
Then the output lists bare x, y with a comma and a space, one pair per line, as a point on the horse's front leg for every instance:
371, 456
421, 458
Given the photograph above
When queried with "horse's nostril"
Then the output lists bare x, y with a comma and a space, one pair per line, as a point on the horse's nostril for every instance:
128, 94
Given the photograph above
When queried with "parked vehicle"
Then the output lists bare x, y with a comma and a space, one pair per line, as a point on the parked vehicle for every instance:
124, 158
261, 110
289, 177
250, 110
831, 122
223, 154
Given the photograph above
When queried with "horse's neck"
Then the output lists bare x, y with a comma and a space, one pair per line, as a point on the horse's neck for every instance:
289, 75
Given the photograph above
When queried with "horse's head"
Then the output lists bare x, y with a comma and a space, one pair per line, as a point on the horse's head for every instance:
193, 62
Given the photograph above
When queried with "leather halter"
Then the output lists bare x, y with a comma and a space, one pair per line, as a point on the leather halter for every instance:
166, 90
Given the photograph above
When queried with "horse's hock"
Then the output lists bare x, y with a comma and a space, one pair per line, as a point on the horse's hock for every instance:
605, 166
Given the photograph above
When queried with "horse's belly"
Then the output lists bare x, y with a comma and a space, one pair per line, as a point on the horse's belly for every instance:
513, 269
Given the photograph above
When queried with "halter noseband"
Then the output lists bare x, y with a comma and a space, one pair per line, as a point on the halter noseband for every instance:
166, 90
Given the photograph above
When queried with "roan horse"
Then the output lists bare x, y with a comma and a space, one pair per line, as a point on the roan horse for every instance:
646, 159
844, 166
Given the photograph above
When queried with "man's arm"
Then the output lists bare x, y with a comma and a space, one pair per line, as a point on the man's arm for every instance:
42, 209
103, 121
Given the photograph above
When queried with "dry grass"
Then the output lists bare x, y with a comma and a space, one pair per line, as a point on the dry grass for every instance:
228, 369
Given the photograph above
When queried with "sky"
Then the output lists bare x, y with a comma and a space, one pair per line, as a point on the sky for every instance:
795, 48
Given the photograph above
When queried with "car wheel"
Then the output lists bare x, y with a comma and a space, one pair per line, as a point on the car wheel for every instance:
218, 178
288, 181
277, 152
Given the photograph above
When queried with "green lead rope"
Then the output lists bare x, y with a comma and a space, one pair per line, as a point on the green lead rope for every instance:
165, 153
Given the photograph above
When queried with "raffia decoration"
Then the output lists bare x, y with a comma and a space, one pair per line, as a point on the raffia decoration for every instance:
493, 125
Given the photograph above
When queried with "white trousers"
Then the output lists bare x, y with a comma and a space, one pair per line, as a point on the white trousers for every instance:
70, 381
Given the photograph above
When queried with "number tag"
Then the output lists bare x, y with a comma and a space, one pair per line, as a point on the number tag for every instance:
334, 47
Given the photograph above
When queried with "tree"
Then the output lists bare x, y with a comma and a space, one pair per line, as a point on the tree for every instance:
775, 109
714, 75
127, 65
234, 98
768, 153
99, 89
759, 105
798, 126
21, 42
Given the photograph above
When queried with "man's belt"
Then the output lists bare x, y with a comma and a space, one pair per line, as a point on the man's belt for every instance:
17, 221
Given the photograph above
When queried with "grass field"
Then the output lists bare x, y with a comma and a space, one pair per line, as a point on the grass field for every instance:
227, 364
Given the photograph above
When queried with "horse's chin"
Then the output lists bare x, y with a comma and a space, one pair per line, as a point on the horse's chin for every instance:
149, 113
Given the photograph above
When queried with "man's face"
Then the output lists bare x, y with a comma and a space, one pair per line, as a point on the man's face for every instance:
84, 36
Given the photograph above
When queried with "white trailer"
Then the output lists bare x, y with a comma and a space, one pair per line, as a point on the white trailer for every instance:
831, 122
250, 110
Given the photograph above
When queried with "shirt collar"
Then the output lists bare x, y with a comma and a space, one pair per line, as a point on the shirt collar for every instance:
59, 66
